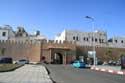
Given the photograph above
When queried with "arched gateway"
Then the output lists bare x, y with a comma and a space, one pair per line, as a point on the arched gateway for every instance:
57, 58
58, 53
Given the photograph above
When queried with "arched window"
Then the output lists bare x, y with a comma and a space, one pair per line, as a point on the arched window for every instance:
74, 38
77, 38
95, 39
122, 41
115, 41
87, 39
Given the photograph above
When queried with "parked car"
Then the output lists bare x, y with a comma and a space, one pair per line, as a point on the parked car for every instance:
113, 63
23, 61
79, 64
6, 60
99, 62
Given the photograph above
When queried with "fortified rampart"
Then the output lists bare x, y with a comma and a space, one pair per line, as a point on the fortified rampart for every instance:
66, 51
102, 53
35, 50
21, 50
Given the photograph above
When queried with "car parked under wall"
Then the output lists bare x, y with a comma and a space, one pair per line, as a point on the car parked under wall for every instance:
6, 60
23, 61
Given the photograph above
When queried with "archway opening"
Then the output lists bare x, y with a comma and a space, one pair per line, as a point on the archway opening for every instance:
57, 58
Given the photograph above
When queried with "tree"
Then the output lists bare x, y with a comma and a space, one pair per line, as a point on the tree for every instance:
110, 56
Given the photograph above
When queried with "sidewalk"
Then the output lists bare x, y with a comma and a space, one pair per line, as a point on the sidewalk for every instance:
26, 74
109, 69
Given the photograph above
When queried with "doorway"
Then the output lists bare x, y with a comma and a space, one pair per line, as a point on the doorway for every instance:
57, 58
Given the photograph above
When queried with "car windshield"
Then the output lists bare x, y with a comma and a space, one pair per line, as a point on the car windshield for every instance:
23, 60
76, 61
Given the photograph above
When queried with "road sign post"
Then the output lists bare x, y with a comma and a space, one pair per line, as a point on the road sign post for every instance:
92, 54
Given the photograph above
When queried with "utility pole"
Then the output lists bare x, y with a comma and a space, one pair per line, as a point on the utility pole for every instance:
93, 45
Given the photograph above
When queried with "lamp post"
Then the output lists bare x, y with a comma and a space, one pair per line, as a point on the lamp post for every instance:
94, 52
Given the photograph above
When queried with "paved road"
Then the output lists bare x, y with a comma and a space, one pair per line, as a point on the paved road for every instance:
68, 74
26, 74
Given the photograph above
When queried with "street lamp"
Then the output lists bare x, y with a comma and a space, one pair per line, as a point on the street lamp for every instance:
94, 52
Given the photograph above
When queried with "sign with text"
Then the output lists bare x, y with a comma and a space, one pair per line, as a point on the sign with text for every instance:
91, 54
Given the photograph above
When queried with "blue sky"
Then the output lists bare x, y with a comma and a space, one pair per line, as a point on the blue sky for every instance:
53, 16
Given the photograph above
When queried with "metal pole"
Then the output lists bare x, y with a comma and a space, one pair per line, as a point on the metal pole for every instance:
94, 52
93, 42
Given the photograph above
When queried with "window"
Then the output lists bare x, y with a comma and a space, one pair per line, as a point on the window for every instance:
87, 39
122, 41
95, 39
92, 39
74, 38
115, 41
110, 40
100, 40
4, 34
77, 38
84, 38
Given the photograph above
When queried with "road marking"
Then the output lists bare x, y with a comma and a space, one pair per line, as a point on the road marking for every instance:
111, 71
108, 70
92, 68
119, 72
96, 68
103, 70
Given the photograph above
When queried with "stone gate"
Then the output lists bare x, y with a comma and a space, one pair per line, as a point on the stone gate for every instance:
58, 53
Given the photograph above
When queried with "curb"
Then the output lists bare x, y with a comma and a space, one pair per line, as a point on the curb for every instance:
49, 74
108, 70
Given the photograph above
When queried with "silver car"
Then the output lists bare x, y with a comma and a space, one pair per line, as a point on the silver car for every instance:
23, 61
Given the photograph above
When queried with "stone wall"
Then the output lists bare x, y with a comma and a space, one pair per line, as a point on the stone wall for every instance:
21, 50
35, 50
102, 52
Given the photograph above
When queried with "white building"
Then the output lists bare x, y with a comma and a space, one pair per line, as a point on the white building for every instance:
6, 33
97, 38
117, 42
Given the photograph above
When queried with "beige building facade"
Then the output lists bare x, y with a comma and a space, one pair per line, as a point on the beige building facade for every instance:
83, 38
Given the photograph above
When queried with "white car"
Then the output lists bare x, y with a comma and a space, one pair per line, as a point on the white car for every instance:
23, 61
